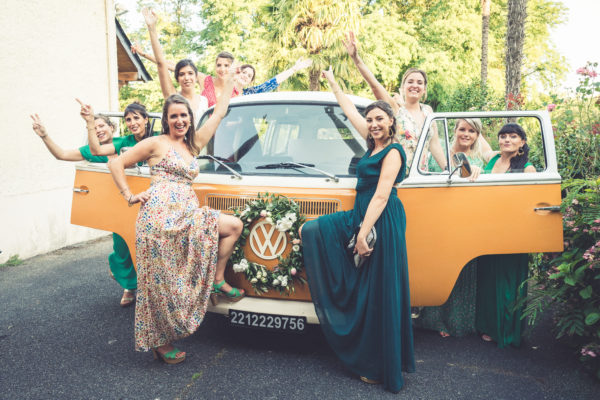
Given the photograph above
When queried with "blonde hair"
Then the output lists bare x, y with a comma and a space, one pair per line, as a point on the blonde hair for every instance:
476, 124
405, 76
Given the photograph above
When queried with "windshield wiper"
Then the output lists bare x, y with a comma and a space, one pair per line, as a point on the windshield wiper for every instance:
292, 165
220, 160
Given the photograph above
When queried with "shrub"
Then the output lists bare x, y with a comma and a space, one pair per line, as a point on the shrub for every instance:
570, 281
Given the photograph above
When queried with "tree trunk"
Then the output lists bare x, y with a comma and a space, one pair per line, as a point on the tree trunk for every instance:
485, 31
314, 76
515, 38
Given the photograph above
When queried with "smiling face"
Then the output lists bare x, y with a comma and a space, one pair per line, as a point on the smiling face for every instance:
466, 135
246, 76
186, 77
178, 120
414, 86
379, 124
222, 67
510, 142
136, 124
104, 132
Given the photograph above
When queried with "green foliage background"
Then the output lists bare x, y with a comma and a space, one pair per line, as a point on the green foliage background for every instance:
443, 37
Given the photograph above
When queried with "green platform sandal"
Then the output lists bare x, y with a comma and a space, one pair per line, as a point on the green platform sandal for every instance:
231, 296
169, 357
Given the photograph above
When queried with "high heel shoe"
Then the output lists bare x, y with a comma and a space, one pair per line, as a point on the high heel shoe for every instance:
231, 296
369, 381
169, 357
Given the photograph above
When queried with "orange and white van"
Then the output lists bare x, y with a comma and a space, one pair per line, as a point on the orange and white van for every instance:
300, 145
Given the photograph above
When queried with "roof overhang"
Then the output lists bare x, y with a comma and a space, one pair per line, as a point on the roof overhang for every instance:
130, 65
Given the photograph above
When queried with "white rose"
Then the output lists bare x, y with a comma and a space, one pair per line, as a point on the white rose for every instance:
276, 282
269, 220
253, 280
296, 247
291, 216
284, 281
264, 280
236, 268
249, 220
258, 275
263, 213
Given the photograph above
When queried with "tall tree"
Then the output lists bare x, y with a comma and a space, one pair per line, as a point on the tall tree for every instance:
515, 39
314, 27
485, 32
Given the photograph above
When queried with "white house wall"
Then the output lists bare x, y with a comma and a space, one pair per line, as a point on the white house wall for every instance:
52, 51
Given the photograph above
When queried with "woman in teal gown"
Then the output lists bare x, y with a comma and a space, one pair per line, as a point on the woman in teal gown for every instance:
499, 277
365, 312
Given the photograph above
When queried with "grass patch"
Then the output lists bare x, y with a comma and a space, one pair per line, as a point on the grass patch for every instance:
13, 261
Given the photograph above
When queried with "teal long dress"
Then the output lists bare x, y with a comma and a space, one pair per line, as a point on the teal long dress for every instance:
364, 313
119, 261
499, 278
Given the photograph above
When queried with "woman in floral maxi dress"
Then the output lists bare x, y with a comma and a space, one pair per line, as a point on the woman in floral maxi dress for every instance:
181, 249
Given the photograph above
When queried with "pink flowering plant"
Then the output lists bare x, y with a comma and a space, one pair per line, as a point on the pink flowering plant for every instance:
569, 282
576, 125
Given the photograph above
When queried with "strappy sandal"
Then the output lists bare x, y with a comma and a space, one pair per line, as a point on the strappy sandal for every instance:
231, 296
169, 357
128, 298
369, 381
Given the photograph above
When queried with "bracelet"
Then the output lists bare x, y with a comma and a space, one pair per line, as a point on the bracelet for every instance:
129, 201
125, 190
45, 136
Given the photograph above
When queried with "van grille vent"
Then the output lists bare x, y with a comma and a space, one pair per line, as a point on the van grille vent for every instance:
308, 207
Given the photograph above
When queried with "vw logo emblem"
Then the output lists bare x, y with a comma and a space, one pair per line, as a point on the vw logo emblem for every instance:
266, 241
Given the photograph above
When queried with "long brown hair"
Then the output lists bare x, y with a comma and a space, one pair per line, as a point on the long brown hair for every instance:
386, 108
190, 135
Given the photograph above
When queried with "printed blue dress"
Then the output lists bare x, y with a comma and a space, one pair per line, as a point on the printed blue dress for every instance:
365, 312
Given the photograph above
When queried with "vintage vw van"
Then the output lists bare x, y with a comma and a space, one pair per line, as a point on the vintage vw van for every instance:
300, 145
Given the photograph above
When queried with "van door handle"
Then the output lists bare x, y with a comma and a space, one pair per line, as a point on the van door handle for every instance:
83, 189
549, 208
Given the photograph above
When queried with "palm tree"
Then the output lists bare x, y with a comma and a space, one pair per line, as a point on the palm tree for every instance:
515, 38
312, 28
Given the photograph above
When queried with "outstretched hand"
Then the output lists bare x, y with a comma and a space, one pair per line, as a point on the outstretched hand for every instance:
351, 44
38, 127
302, 63
328, 74
87, 113
234, 72
136, 49
150, 17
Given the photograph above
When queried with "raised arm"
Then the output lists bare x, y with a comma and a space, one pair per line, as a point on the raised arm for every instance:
140, 152
300, 65
97, 149
379, 91
206, 131
58, 152
389, 171
347, 105
164, 76
135, 48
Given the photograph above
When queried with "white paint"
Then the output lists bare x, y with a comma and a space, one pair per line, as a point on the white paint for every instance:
52, 51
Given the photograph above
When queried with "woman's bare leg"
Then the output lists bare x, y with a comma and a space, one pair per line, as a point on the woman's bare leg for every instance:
230, 229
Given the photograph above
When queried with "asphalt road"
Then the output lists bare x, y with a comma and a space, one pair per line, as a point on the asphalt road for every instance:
64, 336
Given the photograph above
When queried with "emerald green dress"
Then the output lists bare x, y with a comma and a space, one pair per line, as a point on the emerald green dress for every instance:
457, 315
365, 312
499, 278
120, 262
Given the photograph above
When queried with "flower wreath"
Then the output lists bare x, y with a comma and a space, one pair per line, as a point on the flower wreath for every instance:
285, 215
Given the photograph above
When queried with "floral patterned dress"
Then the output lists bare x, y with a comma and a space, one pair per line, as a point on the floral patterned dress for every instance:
176, 254
408, 134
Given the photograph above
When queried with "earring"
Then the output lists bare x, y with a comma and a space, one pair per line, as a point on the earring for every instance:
520, 152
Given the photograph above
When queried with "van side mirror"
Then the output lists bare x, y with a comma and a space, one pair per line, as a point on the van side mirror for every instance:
461, 163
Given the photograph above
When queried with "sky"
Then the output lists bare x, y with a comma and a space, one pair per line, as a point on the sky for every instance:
576, 39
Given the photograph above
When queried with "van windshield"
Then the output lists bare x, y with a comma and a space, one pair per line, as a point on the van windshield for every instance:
267, 139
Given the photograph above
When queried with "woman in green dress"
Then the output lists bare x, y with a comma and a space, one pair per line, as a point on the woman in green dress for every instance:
121, 265
365, 312
499, 277
456, 317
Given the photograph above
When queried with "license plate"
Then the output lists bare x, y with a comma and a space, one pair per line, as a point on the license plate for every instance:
267, 321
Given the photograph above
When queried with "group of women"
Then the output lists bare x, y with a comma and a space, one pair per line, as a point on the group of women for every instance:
182, 249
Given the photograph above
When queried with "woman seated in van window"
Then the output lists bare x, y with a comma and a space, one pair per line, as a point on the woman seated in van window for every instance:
500, 276
469, 140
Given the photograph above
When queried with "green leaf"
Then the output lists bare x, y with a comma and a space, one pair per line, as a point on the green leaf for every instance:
570, 281
586, 293
592, 318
